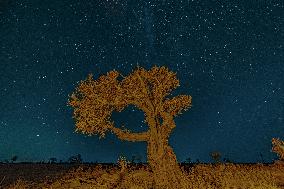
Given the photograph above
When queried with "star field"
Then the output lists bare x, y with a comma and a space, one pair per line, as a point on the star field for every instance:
229, 56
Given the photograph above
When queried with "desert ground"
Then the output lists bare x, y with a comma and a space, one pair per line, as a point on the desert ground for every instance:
135, 176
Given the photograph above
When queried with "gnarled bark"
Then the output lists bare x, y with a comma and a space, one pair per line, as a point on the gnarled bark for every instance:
128, 136
161, 157
163, 162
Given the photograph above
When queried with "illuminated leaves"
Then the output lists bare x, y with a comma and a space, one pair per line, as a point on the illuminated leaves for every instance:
95, 100
278, 147
152, 85
93, 103
175, 105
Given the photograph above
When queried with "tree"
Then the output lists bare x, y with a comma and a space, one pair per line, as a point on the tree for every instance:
75, 159
95, 100
188, 160
227, 160
14, 158
52, 160
278, 147
136, 159
261, 157
216, 156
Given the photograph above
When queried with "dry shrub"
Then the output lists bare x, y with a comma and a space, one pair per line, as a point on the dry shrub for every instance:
142, 178
20, 184
123, 176
126, 177
231, 176
278, 147
80, 177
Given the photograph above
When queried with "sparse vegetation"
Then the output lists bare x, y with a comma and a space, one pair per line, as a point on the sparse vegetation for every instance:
52, 160
188, 160
136, 159
21, 184
278, 147
14, 158
216, 156
227, 160
124, 176
77, 159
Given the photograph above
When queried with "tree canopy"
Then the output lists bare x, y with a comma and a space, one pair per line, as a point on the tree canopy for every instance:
95, 100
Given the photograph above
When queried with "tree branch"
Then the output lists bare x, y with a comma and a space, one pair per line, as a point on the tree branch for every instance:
146, 91
132, 137
175, 105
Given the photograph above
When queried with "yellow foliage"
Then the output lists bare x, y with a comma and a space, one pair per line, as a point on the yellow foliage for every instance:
278, 147
94, 100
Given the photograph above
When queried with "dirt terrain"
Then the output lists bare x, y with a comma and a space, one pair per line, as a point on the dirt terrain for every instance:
9, 173
38, 172
203, 175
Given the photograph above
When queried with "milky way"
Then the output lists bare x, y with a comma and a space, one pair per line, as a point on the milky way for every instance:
227, 55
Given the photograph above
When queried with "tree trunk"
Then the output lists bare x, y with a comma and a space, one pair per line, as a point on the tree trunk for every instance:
163, 162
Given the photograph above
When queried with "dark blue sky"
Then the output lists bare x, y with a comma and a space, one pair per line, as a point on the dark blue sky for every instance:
228, 55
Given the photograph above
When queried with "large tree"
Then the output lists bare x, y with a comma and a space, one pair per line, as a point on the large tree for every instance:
94, 101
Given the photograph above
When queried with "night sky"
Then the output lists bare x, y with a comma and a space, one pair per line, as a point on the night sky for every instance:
228, 55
